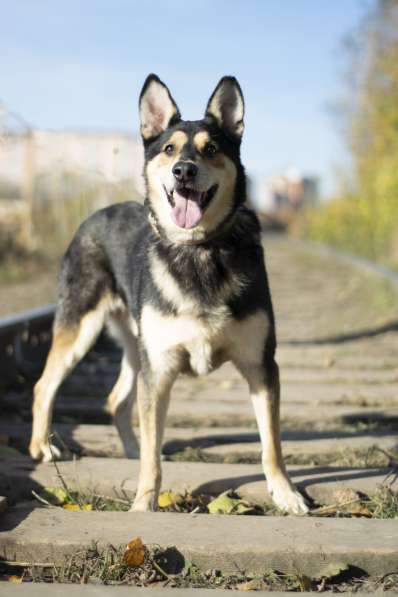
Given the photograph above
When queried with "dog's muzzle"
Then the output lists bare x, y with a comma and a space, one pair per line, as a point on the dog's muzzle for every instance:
188, 205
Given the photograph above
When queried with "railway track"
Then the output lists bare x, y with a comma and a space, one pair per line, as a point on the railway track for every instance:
338, 340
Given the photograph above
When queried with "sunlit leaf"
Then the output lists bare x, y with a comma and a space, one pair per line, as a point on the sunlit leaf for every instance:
15, 579
56, 495
168, 499
224, 504
71, 507
333, 569
255, 584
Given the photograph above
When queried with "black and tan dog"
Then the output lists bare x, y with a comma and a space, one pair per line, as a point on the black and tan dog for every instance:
182, 283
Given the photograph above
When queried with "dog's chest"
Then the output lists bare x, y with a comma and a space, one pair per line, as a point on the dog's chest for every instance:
168, 338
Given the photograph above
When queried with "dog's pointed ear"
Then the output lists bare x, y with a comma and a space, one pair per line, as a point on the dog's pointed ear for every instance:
157, 108
227, 106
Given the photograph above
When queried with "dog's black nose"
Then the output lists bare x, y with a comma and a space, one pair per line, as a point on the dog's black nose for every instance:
184, 171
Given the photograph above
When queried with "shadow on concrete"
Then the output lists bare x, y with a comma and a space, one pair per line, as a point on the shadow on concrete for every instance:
19, 434
391, 326
313, 476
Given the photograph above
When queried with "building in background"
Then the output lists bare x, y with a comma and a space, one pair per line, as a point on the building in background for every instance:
52, 180
110, 157
289, 190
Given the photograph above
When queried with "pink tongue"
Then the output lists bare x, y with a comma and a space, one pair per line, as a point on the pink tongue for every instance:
186, 212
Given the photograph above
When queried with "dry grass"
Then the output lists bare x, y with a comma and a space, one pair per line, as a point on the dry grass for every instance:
167, 568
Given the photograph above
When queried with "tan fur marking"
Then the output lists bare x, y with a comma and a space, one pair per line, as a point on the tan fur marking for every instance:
201, 139
218, 161
68, 347
221, 162
178, 139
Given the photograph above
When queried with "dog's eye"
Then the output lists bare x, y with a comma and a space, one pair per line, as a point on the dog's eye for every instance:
169, 149
210, 150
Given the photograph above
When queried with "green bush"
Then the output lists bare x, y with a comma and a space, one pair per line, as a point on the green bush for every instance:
367, 221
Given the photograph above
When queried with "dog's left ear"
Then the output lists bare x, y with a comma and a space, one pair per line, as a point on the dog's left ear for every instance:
226, 105
157, 108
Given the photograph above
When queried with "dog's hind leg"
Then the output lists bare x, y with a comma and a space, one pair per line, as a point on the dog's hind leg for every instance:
124, 393
70, 344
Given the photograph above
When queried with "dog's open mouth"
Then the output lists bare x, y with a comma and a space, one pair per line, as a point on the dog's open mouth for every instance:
188, 205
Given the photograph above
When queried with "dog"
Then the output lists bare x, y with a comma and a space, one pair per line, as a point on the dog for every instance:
182, 283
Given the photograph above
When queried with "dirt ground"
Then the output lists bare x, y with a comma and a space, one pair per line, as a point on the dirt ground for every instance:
28, 291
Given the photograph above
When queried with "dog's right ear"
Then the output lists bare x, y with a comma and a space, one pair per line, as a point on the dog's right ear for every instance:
158, 110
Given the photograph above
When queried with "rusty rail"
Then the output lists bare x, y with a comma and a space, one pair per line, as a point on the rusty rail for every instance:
24, 344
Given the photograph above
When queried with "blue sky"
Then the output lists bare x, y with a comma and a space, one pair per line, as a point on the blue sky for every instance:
81, 64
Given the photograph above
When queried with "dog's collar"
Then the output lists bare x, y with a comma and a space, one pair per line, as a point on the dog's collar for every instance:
212, 236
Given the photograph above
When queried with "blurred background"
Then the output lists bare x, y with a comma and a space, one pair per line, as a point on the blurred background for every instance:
321, 142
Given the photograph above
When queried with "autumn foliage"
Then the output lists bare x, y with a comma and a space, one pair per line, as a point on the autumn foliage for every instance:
365, 218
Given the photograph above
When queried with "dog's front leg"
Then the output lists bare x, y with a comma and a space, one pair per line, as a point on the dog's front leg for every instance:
264, 391
152, 408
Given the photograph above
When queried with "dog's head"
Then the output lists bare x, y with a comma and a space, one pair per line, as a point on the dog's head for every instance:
194, 177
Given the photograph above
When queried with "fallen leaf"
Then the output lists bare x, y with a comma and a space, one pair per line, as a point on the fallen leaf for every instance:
333, 569
85, 507
135, 553
255, 584
168, 499
56, 495
345, 494
359, 510
225, 504
15, 579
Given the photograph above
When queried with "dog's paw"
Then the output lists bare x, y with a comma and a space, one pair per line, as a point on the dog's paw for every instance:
286, 497
44, 451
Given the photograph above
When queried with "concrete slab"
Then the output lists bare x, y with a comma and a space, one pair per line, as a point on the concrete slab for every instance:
108, 476
334, 356
337, 375
310, 446
208, 405
370, 383
317, 390
317, 393
229, 543
103, 440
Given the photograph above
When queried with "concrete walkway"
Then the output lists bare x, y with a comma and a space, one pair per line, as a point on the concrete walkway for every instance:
338, 340
227, 543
